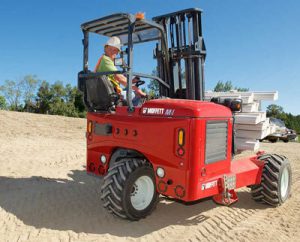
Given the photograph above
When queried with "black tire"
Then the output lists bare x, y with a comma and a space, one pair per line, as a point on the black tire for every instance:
285, 140
119, 185
270, 189
273, 140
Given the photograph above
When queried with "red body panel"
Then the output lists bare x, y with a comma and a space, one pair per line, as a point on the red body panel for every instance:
153, 129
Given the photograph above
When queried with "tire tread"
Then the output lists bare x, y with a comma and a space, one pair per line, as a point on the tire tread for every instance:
267, 191
114, 184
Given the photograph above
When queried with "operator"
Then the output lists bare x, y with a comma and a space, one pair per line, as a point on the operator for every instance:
106, 63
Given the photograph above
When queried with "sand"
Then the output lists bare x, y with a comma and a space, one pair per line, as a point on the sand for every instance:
45, 194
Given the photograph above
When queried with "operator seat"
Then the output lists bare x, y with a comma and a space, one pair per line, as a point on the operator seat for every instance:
98, 93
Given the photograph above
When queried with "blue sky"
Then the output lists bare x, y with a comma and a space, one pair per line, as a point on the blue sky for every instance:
253, 43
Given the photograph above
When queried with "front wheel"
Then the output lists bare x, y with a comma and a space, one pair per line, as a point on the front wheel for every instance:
275, 186
129, 189
273, 140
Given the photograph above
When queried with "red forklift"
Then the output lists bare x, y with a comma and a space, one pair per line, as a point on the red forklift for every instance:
176, 145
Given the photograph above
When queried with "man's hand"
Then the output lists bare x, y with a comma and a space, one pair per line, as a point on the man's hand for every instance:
122, 80
136, 79
139, 91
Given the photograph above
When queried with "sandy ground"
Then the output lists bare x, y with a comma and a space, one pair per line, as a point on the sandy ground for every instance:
45, 194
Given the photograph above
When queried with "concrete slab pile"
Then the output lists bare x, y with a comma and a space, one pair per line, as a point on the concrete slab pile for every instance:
251, 124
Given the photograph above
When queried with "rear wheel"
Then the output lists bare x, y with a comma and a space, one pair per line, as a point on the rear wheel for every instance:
275, 186
129, 189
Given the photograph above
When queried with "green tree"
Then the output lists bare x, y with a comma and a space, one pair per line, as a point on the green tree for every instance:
2, 103
79, 104
41, 97
12, 92
291, 121
223, 87
228, 86
241, 89
274, 111
57, 102
44, 97
59, 107
58, 99
70, 93
58, 90
29, 87
74, 100
153, 86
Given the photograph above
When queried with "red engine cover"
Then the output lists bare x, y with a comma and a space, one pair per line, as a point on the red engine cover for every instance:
153, 130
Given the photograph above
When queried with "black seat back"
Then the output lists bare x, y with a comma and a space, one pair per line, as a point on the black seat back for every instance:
99, 93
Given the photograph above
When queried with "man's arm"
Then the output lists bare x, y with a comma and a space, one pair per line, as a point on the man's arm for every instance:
123, 80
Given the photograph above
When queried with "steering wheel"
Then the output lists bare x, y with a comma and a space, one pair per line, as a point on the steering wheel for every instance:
139, 83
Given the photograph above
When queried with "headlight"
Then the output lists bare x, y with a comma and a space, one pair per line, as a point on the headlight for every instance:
160, 172
103, 159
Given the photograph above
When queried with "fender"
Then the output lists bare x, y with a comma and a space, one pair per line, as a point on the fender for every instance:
123, 152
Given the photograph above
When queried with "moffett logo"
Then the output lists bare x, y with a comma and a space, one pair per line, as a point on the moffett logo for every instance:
158, 111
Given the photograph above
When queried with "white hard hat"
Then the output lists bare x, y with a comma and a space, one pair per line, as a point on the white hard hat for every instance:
114, 42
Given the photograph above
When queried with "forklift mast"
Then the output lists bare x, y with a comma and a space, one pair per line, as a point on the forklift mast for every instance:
186, 54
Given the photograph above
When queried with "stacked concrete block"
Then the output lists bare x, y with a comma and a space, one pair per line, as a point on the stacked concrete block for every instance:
250, 107
251, 125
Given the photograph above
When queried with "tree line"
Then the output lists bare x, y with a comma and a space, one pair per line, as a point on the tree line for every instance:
291, 121
30, 94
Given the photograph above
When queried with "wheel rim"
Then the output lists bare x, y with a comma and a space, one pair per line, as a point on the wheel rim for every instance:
142, 193
284, 182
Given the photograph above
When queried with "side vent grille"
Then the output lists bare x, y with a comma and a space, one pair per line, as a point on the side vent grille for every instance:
216, 141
